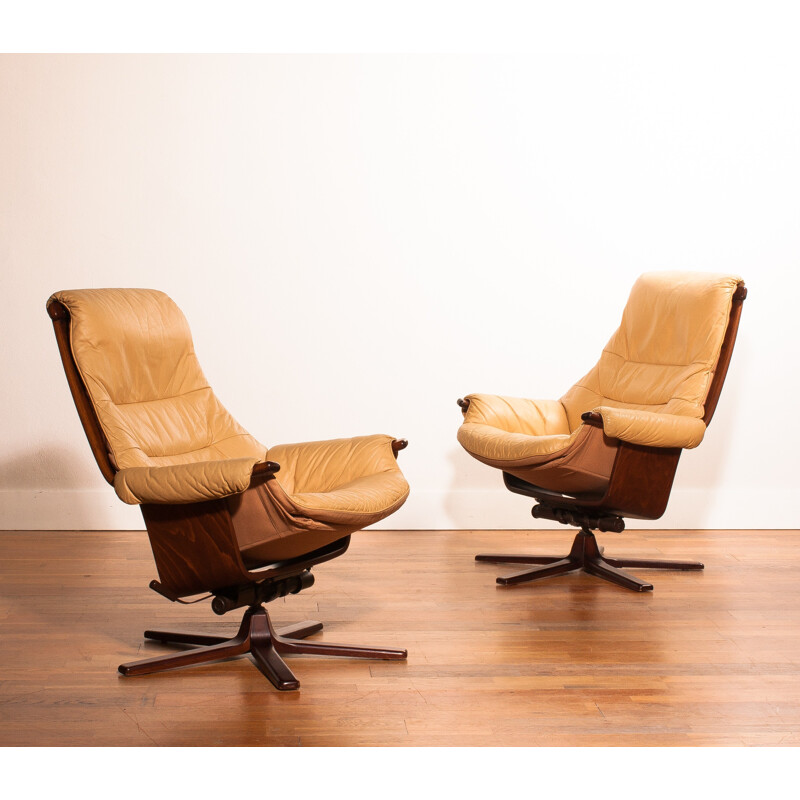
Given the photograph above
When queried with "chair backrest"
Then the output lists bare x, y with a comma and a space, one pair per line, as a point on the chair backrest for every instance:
138, 387
667, 354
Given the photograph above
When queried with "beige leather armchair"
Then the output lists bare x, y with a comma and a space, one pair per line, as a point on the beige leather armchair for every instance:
609, 448
225, 515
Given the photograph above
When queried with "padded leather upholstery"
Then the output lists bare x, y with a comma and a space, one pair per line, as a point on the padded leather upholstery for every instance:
192, 482
649, 387
360, 475
172, 441
135, 354
662, 356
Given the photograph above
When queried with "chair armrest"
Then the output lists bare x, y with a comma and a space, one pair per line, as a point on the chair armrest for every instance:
516, 414
647, 427
321, 466
188, 483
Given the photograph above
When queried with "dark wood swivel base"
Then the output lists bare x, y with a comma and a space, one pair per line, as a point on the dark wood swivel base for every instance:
257, 637
585, 555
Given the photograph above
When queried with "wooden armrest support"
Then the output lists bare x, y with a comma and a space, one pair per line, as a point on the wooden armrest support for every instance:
647, 428
398, 445
262, 472
195, 547
265, 467
59, 313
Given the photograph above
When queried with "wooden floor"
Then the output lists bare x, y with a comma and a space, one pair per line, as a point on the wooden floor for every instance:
708, 658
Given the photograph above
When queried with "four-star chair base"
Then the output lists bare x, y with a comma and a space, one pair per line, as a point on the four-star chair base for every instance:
257, 637
585, 555
588, 515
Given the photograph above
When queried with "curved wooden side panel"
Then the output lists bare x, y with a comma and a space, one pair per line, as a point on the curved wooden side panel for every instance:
91, 425
194, 547
640, 485
641, 481
196, 550
725, 353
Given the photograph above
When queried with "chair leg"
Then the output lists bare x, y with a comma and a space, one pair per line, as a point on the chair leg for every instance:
346, 650
585, 555
297, 631
276, 670
257, 637
545, 571
266, 656
521, 559
173, 637
198, 655
235, 646
600, 568
285, 644
649, 563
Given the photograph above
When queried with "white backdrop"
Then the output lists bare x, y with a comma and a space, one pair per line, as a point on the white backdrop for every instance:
358, 241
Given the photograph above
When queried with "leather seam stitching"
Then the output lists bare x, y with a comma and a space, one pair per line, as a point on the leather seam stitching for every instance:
160, 399
655, 363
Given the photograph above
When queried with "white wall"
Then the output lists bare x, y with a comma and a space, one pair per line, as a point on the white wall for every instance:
358, 241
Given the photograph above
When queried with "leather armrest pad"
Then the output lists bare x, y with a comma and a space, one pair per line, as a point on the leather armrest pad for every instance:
184, 483
322, 466
650, 428
517, 414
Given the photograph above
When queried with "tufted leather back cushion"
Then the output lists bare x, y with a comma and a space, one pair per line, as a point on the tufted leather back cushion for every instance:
663, 355
135, 354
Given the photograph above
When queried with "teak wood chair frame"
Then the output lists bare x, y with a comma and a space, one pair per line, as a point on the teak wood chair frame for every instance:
639, 487
196, 552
